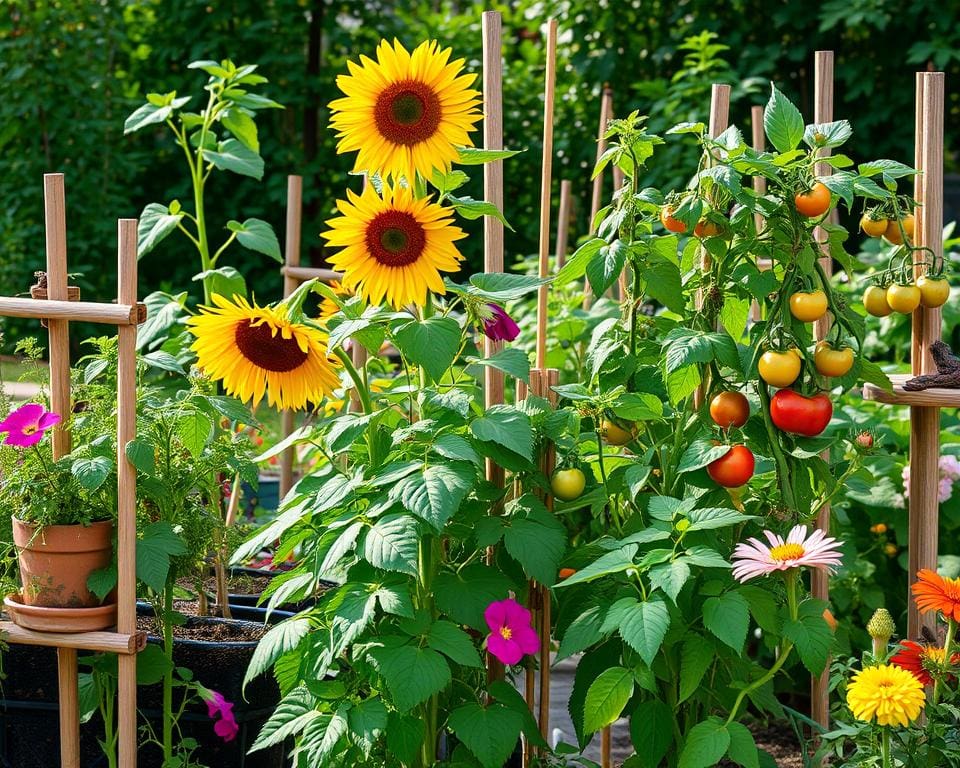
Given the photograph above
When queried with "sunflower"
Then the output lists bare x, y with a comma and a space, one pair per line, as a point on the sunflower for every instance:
256, 350
405, 113
933, 592
889, 694
394, 246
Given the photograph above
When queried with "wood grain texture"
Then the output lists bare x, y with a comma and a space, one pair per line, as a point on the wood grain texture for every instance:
929, 398
63, 311
67, 682
106, 642
55, 217
546, 175
302, 274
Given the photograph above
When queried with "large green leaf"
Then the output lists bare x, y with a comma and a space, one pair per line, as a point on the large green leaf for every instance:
651, 731
194, 429
464, 595
782, 122
434, 495
490, 733
155, 546
512, 361
811, 634
606, 698
616, 561
290, 717
257, 235
392, 544
155, 223
743, 748
454, 643
92, 472
231, 155
367, 721
705, 744
696, 656
727, 617
670, 577
645, 626
605, 269
431, 344
404, 736
412, 674
278, 640
537, 540
506, 426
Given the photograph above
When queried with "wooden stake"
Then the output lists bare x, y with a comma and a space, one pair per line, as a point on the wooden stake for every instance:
127, 491
493, 380
822, 113
545, 179
563, 222
290, 283
925, 421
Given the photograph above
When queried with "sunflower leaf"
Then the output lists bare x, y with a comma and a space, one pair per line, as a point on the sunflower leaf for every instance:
431, 344
257, 235
231, 155
474, 209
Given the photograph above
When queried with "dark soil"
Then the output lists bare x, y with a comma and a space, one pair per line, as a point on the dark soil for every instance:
216, 631
779, 741
237, 584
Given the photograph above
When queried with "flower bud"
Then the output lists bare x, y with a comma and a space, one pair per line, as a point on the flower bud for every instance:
499, 326
881, 629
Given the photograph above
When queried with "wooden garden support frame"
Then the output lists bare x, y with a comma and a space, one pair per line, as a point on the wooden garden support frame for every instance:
924, 405
126, 642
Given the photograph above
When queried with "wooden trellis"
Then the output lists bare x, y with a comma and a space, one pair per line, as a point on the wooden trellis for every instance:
925, 405
58, 312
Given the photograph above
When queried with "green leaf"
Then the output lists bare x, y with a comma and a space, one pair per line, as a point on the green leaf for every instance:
706, 558
477, 156
502, 286
705, 744
490, 733
193, 429
431, 344
827, 134
412, 674
663, 282
682, 383
616, 561
638, 406
537, 541
670, 577
651, 731
453, 642
512, 361
782, 122
507, 695
157, 544
715, 517
151, 114
507, 426
257, 235
645, 626
241, 125
605, 269
872, 373
700, 453
743, 749
464, 595
155, 223
392, 544
92, 472
231, 155
455, 448
290, 717
279, 639
763, 607
727, 617
696, 656
734, 315
435, 494
322, 735
103, 581
404, 736
367, 721
163, 361
576, 266
474, 209
606, 698
811, 635
140, 453
684, 347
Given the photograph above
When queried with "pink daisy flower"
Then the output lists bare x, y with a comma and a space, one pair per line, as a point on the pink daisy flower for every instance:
754, 558
217, 706
511, 633
26, 425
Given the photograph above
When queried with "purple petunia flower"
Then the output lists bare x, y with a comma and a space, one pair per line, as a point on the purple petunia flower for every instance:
500, 326
511, 634
26, 425
226, 727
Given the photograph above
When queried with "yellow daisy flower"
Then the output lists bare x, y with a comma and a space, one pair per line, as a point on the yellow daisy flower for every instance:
405, 113
258, 350
394, 246
887, 693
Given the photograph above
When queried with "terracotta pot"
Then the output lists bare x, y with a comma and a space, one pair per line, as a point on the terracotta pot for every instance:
56, 561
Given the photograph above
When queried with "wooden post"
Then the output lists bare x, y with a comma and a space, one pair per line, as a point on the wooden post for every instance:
545, 181
290, 283
563, 222
126, 492
822, 113
493, 380
596, 198
925, 421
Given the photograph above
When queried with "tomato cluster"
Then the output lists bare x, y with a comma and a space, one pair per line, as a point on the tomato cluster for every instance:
877, 223
926, 291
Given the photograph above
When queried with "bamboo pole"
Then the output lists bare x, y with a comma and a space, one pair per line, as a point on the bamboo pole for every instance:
563, 222
925, 421
545, 183
127, 492
55, 214
493, 380
596, 197
290, 282
822, 113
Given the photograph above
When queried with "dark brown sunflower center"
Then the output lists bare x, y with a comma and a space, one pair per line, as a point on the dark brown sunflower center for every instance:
407, 113
273, 353
395, 238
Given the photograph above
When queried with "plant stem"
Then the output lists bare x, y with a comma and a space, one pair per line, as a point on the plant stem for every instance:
783, 469
948, 643
167, 622
358, 381
885, 748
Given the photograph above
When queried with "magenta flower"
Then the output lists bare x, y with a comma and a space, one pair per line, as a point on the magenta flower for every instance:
499, 326
226, 727
26, 425
511, 634
753, 558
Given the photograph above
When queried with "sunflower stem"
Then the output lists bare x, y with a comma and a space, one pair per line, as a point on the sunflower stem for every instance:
358, 381
885, 747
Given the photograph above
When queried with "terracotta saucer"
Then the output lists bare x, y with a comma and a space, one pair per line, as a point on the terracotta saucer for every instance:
59, 619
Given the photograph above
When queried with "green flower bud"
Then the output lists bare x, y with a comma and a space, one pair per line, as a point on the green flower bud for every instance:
881, 629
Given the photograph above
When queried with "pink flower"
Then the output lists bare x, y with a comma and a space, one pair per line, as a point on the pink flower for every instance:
26, 425
753, 558
226, 727
511, 634
499, 326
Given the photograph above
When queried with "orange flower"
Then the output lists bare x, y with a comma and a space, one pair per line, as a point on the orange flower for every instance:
921, 660
932, 592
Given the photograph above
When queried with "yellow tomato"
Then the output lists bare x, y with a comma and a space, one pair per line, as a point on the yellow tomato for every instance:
614, 434
568, 484
903, 298
779, 369
873, 227
832, 362
875, 301
934, 291
808, 307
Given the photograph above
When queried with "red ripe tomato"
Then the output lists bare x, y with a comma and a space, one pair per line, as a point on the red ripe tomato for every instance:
734, 468
792, 412
729, 409
814, 202
670, 223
